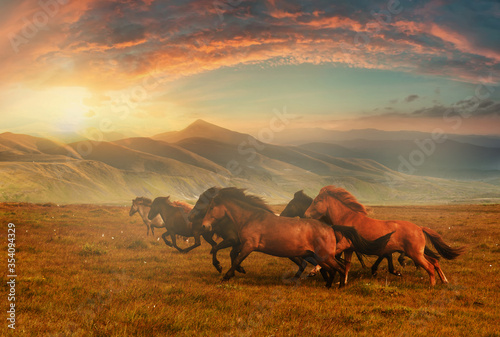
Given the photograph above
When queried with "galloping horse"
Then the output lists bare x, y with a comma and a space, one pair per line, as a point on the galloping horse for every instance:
174, 215
342, 208
298, 207
223, 228
143, 205
259, 229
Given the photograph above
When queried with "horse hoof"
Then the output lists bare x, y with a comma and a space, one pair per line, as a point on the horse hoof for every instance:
219, 268
374, 273
311, 274
395, 272
241, 270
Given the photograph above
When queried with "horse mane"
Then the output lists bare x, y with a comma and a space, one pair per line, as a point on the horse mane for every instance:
234, 193
301, 196
145, 201
185, 207
344, 197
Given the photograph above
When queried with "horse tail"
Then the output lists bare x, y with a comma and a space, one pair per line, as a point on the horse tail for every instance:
442, 248
360, 244
430, 252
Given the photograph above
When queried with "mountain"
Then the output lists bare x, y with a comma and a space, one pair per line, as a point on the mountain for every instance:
172, 151
300, 136
423, 157
203, 129
19, 147
185, 163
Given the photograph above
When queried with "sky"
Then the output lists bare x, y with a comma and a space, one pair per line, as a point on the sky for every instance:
142, 67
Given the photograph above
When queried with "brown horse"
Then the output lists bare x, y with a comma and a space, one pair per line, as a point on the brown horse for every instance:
342, 208
174, 215
142, 206
259, 229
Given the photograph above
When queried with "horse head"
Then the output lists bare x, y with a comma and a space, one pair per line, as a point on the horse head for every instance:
200, 208
215, 211
157, 206
135, 207
318, 208
298, 205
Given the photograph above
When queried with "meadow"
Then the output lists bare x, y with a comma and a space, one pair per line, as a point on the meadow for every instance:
90, 270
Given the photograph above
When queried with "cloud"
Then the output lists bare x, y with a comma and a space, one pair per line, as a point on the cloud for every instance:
411, 98
111, 44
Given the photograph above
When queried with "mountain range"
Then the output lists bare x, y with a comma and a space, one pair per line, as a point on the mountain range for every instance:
185, 163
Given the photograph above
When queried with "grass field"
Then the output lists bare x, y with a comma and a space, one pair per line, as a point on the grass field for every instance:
90, 270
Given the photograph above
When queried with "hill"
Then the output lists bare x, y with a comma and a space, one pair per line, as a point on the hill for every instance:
40, 170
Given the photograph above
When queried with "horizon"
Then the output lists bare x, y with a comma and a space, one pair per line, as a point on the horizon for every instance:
77, 137
147, 67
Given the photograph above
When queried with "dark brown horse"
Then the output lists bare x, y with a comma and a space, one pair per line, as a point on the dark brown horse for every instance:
223, 228
174, 215
342, 208
259, 229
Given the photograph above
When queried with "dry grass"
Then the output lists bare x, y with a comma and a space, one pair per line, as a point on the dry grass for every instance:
91, 271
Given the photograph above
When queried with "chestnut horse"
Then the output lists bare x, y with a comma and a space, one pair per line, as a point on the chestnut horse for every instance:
259, 229
342, 208
298, 207
226, 229
174, 215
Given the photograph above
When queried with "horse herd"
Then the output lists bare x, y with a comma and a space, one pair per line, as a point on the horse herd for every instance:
316, 231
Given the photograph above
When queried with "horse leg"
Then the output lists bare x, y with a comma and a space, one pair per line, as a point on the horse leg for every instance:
208, 236
436, 265
174, 243
147, 226
331, 265
234, 252
223, 244
420, 259
347, 258
376, 264
164, 237
302, 266
315, 271
390, 264
245, 251
197, 243
401, 260
360, 259
152, 230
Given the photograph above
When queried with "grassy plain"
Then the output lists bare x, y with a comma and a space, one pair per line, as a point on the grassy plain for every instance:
90, 270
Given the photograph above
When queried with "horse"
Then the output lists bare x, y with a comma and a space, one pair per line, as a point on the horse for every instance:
259, 229
223, 228
297, 207
143, 205
342, 208
174, 215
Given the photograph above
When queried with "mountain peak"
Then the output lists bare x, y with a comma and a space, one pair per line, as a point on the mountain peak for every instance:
203, 129
201, 122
